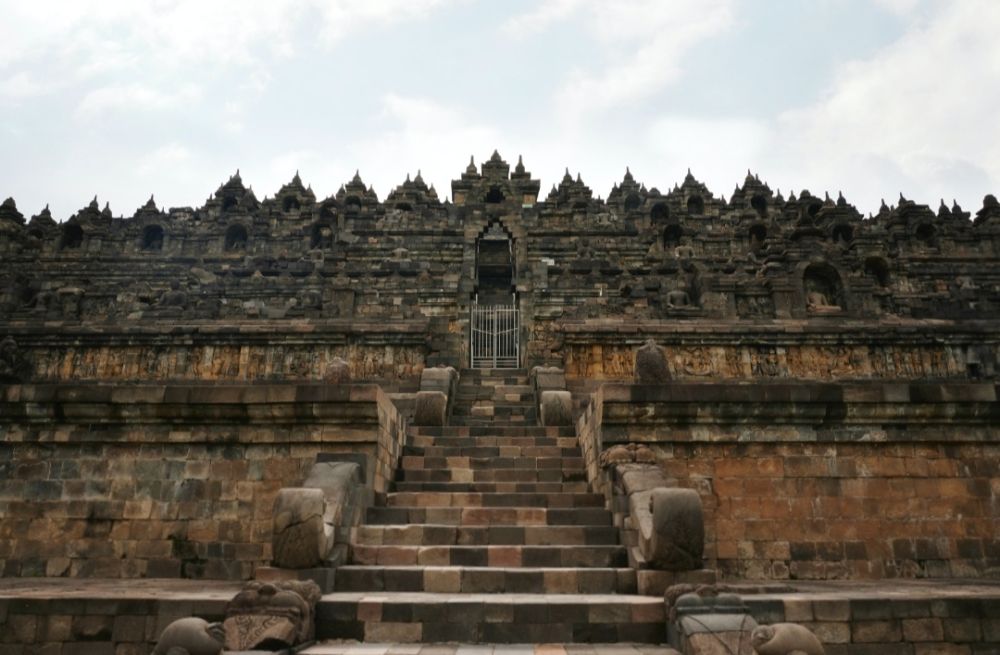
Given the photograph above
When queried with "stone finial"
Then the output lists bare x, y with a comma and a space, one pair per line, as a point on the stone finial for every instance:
278, 614
785, 639
567, 178
519, 169
556, 407
495, 157
471, 168
192, 636
651, 365
339, 371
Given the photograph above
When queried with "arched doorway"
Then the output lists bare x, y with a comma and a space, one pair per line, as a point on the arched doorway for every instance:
494, 331
495, 266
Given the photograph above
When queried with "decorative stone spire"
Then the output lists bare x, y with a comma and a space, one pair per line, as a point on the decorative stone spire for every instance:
471, 168
495, 157
519, 169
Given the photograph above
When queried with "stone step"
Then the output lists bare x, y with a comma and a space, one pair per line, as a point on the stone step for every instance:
493, 431
520, 516
474, 499
478, 579
414, 462
560, 556
493, 442
489, 421
498, 535
494, 487
573, 474
493, 413
340, 647
491, 618
470, 450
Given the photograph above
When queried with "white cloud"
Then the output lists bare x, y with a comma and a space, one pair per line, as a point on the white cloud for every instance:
643, 43
21, 85
165, 160
920, 113
423, 134
133, 97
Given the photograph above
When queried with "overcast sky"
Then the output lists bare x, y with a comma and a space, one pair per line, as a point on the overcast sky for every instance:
127, 98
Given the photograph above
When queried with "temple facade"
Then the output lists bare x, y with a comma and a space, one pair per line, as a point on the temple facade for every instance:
507, 394
756, 286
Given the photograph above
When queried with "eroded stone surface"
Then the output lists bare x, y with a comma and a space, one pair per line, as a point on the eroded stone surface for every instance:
431, 408
190, 636
651, 365
556, 408
279, 614
785, 639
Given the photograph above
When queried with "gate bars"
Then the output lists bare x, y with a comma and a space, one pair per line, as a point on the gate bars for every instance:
495, 337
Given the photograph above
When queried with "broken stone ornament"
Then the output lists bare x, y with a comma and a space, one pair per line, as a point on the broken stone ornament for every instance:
191, 636
785, 639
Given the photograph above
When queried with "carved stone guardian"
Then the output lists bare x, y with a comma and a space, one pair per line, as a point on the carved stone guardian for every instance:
272, 615
651, 365
14, 364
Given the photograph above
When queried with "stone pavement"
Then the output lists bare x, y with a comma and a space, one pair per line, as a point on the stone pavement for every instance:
355, 648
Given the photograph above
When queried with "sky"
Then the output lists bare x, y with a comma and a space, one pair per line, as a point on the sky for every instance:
128, 98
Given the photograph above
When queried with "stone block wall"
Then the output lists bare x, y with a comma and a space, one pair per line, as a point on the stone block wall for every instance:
909, 622
237, 351
604, 349
823, 481
169, 481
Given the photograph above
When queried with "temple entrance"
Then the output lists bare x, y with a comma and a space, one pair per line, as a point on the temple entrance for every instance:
495, 327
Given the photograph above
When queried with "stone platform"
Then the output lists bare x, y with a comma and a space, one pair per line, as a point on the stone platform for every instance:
355, 648
117, 617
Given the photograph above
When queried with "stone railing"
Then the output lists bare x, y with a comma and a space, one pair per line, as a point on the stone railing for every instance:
175, 480
814, 481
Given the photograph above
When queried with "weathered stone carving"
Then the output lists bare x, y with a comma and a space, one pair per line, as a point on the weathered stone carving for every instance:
271, 615
339, 372
309, 521
14, 364
651, 365
706, 622
191, 636
431, 408
678, 298
556, 408
673, 536
627, 454
785, 639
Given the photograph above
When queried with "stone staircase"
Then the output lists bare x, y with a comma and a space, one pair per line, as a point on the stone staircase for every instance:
490, 535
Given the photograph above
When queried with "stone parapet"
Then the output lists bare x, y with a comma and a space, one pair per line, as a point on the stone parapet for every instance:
821, 481
170, 480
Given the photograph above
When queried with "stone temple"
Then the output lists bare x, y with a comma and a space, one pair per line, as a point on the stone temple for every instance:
664, 419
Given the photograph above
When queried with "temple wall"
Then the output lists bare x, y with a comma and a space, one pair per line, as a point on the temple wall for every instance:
232, 352
814, 481
169, 481
699, 351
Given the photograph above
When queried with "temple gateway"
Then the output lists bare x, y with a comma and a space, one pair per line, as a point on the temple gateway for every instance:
664, 418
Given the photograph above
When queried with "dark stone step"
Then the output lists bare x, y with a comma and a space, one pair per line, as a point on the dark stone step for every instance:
472, 450
496, 499
394, 617
413, 462
497, 535
493, 487
558, 556
491, 475
493, 580
520, 516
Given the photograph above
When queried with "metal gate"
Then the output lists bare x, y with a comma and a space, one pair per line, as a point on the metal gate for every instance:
495, 336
